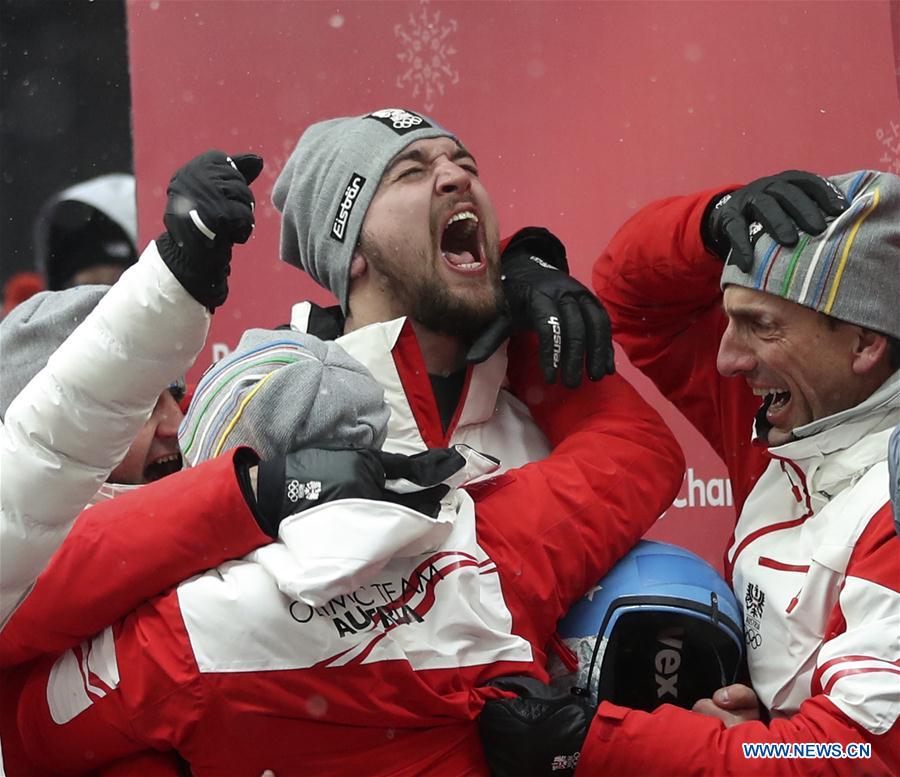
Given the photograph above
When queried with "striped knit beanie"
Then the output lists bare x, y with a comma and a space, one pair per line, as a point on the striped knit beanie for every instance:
281, 391
852, 270
325, 188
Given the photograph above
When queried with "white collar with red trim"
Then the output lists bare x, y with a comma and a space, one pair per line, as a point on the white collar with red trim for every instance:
408, 392
840, 448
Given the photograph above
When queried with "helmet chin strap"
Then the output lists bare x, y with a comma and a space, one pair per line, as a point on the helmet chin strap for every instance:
586, 690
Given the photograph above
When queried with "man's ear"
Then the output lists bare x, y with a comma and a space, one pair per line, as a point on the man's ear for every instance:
358, 266
870, 350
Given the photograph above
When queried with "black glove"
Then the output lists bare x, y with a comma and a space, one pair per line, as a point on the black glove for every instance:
538, 241
290, 484
287, 485
210, 208
416, 481
780, 203
571, 324
538, 734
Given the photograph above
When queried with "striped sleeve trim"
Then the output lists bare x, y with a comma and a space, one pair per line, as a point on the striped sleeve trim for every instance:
846, 666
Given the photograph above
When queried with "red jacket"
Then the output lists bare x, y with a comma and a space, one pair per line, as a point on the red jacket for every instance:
120, 553
545, 532
661, 288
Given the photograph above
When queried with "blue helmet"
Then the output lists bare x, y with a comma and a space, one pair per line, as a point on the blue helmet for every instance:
661, 627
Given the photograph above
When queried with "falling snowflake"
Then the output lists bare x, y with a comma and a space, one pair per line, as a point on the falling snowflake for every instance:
427, 55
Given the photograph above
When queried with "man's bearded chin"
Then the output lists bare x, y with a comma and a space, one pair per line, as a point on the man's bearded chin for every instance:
463, 316
428, 301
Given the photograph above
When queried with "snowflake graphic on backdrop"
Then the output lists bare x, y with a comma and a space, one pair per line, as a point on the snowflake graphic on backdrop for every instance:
427, 54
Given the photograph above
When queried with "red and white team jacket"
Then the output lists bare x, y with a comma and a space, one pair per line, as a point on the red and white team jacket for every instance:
814, 556
119, 554
239, 677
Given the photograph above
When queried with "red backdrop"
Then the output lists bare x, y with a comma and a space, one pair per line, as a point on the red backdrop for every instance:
578, 113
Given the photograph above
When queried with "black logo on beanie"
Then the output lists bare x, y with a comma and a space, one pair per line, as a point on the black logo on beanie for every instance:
348, 200
399, 120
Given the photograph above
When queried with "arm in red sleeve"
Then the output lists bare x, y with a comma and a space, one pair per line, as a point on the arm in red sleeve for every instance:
557, 525
656, 276
674, 741
661, 289
124, 551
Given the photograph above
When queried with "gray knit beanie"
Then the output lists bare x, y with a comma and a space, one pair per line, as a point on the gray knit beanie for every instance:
281, 391
325, 188
34, 330
852, 270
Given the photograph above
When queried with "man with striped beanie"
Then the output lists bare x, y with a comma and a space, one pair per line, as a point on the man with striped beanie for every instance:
787, 360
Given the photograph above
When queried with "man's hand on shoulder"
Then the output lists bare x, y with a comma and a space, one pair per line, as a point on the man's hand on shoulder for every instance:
573, 328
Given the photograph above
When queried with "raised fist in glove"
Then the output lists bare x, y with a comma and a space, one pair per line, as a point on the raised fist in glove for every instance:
572, 326
537, 734
287, 485
210, 208
778, 204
